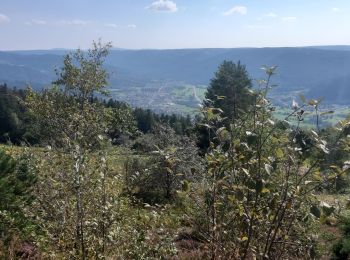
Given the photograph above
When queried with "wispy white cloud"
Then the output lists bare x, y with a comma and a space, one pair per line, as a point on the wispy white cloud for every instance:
289, 18
4, 18
335, 9
111, 25
163, 6
270, 15
132, 26
242, 10
38, 22
73, 22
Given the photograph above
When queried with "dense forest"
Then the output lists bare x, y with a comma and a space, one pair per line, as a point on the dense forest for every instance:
83, 176
18, 124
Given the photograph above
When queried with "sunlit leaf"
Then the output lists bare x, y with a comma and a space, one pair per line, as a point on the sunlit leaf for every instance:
268, 168
279, 153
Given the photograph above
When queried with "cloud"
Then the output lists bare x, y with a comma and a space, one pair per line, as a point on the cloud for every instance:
288, 18
163, 6
4, 18
242, 10
111, 25
271, 15
255, 27
38, 22
73, 22
335, 9
132, 26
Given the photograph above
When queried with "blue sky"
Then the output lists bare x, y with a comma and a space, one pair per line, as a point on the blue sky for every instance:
163, 24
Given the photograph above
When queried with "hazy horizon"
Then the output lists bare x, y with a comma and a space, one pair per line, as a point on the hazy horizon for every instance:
160, 49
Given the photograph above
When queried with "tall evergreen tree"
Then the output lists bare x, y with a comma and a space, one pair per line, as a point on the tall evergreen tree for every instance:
229, 90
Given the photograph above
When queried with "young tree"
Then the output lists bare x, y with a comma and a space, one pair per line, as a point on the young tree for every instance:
79, 204
76, 189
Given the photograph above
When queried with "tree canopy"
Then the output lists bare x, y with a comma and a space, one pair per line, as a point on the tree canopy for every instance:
229, 90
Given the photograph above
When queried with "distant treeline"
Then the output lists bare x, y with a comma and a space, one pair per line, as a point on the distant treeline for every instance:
15, 120
18, 124
146, 119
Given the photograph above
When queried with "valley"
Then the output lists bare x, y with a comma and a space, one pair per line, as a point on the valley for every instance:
174, 81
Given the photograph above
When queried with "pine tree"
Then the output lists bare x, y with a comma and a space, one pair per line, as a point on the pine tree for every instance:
229, 90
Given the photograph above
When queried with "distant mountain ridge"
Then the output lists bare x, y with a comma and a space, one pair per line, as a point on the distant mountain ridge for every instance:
319, 69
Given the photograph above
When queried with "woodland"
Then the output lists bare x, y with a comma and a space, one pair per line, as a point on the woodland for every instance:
83, 176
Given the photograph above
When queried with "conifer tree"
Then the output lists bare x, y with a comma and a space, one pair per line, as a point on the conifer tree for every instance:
229, 90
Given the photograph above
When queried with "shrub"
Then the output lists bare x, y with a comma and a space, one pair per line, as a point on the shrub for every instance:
341, 249
16, 183
256, 199
172, 161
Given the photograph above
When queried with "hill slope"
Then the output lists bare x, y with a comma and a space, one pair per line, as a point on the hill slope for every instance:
316, 70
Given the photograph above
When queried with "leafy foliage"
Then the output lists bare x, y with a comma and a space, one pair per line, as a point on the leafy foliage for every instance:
250, 193
341, 249
79, 207
17, 125
16, 183
257, 195
169, 162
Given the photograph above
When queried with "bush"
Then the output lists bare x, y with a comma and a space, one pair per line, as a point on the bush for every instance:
256, 200
171, 162
16, 183
341, 249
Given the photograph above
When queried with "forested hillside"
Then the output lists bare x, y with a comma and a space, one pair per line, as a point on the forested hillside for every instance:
140, 76
84, 176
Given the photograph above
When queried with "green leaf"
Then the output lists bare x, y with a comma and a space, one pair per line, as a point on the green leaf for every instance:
265, 190
246, 172
220, 130
206, 125
169, 170
279, 153
314, 133
317, 176
315, 211
271, 122
244, 239
186, 186
327, 209
324, 148
268, 168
